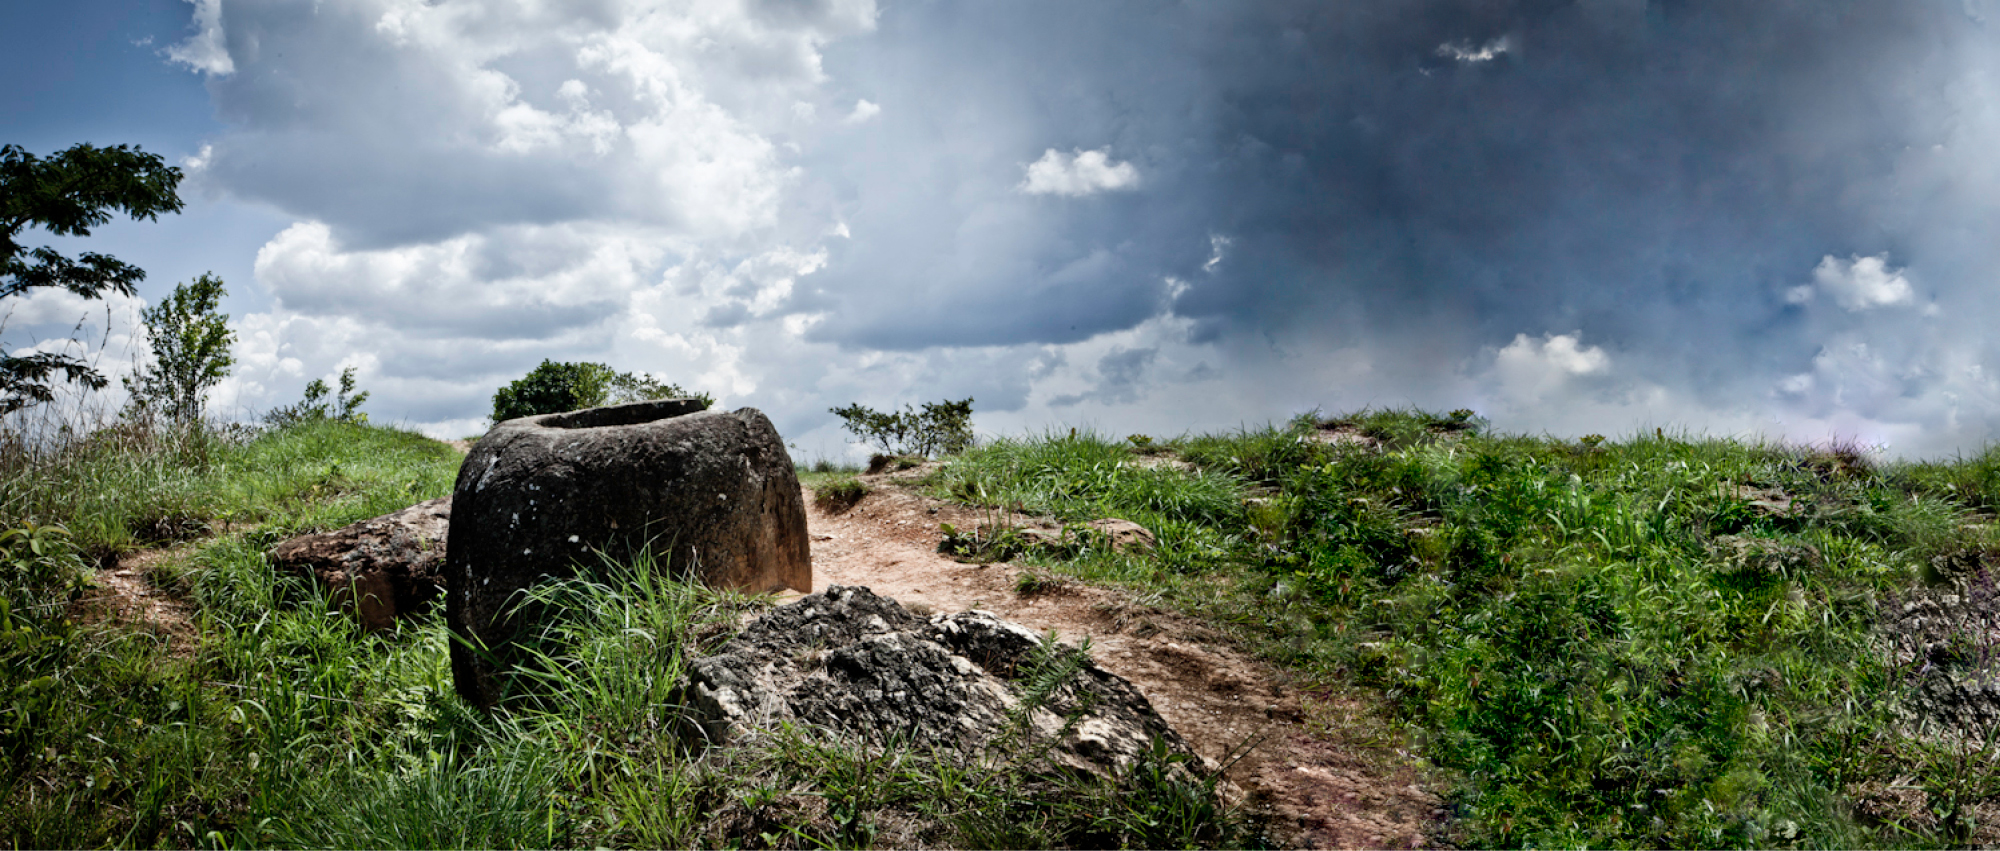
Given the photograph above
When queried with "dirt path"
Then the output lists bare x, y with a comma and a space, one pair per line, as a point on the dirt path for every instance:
1313, 768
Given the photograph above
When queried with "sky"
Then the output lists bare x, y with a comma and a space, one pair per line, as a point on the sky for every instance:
1777, 219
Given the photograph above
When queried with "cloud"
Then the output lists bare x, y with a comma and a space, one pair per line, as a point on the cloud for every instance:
204, 51
1859, 283
1078, 173
1343, 205
395, 122
1463, 51
864, 109
1530, 370
1120, 375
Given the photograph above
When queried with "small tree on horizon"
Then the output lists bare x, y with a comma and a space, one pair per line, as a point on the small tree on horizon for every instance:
941, 428
345, 407
190, 344
557, 387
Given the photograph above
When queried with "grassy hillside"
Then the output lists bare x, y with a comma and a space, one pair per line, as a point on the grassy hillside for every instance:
1667, 641
285, 725
1661, 641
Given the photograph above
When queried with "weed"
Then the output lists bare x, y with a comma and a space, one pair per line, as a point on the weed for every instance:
878, 464
989, 542
1037, 583
840, 494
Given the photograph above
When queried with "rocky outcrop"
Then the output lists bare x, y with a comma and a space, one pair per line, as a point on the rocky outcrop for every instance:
712, 495
1762, 558
378, 569
1125, 534
854, 666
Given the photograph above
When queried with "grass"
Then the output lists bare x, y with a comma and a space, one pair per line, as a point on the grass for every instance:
1606, 643
1664, 640
287, 725
839, 493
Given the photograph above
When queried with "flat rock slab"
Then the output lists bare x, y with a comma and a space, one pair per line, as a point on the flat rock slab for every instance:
378, 569
858, 667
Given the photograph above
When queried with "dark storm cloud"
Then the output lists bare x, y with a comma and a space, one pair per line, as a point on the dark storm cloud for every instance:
340, 125
1120, 378
1435, 175
1657, 174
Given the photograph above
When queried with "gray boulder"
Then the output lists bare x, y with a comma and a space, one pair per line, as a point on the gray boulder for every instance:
378, 569
713, 495
857, 667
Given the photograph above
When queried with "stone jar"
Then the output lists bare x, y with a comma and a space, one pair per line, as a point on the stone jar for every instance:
712, 495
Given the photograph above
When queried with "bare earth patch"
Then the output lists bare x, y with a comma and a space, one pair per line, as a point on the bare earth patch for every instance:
1318, 766
126, 596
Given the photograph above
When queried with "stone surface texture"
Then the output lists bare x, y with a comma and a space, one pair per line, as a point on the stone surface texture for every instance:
1125, 534
712, 494
378, 569
858, 667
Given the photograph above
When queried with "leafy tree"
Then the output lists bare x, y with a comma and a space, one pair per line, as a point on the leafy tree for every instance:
623, 387
190, 344
940, 428
556, 387
67, 195
346, 406
550, 388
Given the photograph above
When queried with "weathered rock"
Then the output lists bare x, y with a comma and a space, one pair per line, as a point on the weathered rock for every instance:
1746, 556
380, 568
713, 495
1125, 534
854, 666
1768, 502
1009, 541
1942, 641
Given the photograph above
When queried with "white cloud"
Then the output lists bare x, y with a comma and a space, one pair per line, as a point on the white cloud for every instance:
206, 50
1463, 51
477, 187
1216, 244
1858, 283
1531, 371
864, 110
1078, 173
199, 161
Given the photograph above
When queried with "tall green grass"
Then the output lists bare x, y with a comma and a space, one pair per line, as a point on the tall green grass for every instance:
1608, 643
125, 486
286, 725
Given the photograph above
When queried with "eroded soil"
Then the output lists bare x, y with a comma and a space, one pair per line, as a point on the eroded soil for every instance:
127, 596
1320, 767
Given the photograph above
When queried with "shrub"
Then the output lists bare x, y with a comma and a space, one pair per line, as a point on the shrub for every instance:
556, 387
345, 407
940, 428
839, 494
